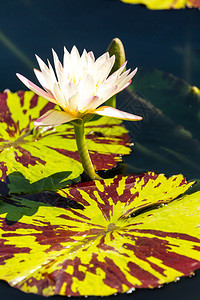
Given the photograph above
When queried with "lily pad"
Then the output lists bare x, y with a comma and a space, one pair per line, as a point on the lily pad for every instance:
168, 138
173, 96
167, 4
129, 235
33, 155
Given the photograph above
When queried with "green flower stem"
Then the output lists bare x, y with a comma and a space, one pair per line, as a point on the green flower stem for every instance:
83, 151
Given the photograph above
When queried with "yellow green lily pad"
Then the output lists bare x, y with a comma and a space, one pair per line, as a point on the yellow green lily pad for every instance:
28, 155
166, 4
130, 232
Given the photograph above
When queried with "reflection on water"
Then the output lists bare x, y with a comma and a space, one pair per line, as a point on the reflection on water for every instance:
15, 50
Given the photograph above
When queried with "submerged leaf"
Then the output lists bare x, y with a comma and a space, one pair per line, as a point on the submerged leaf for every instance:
130, 234
168, 138
167, 4
37, 155
173, 96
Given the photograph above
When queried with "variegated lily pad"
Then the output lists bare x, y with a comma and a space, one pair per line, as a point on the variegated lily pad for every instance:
129, 235
167, 4
28, 155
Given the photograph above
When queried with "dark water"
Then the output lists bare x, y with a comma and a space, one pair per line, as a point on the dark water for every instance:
166, 40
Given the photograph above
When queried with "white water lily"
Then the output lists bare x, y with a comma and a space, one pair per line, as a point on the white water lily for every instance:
80, 86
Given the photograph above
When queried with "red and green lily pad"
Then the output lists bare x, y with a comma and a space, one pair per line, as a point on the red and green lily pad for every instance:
28, 155
167, 4
128, 233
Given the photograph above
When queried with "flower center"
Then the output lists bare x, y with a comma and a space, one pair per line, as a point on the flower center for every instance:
112, 227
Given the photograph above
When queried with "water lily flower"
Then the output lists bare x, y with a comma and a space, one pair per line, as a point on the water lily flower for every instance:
80, 86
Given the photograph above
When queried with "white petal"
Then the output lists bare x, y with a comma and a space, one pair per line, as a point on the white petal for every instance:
105, 94
36, 89
75, 56
102, 59
123, 81
56, 91
86, 90
124, 86
52, 84
92, 104
117, 75
69, 89
121, 69
42, 65
104, 70
72, 103
91, 55
90, 61
114, 79
58, 66
72, 65
65, 57
53, 87
67, 64
54, 117
115, 113
50, 72
84, 58
47, 79
121, 77
65, 50
41, 79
